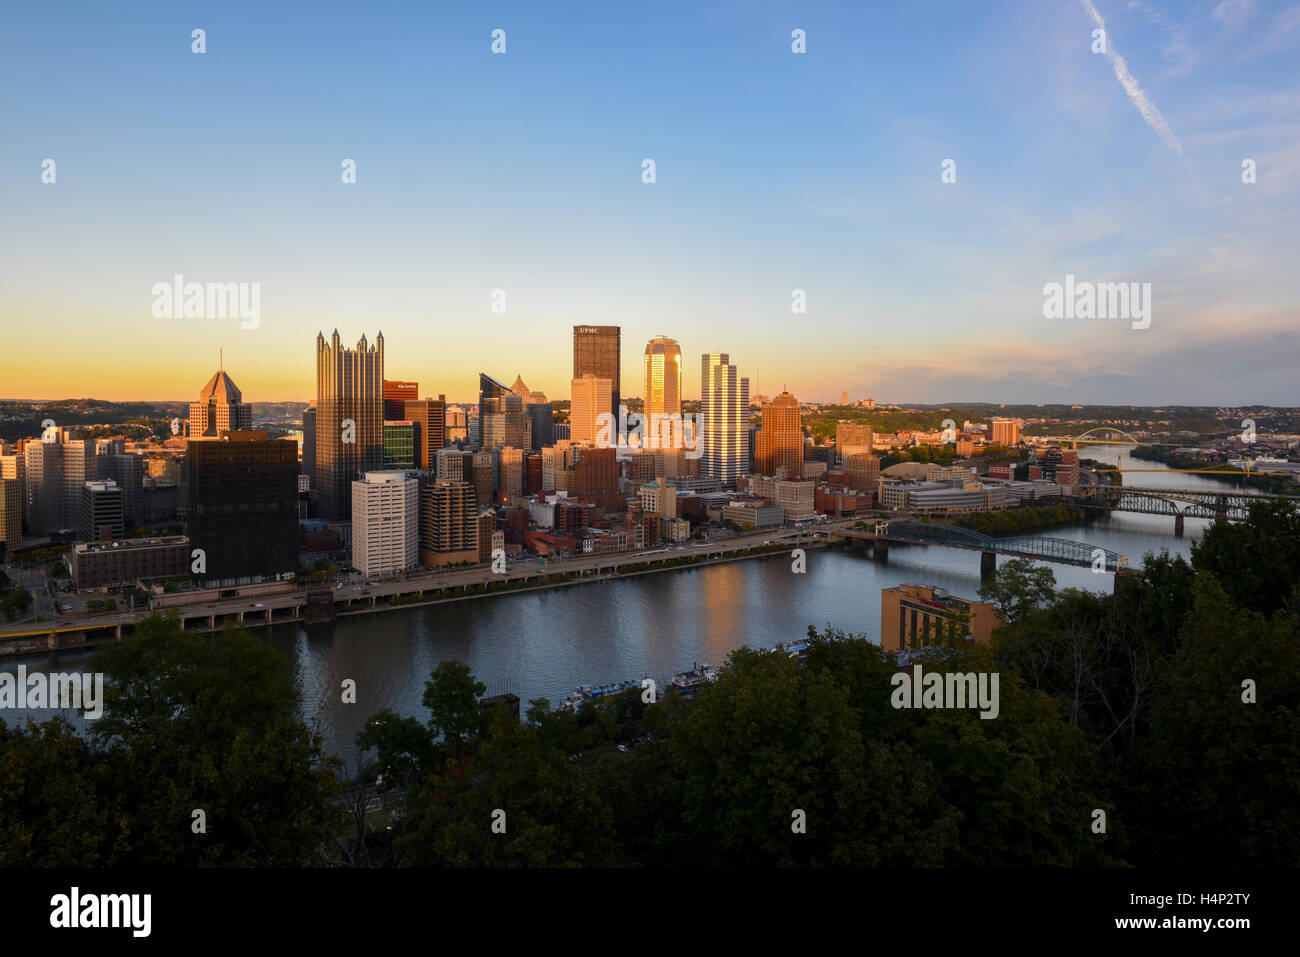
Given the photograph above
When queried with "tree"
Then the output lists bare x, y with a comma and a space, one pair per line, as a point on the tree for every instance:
1017, 587
208, 723
451, 694
1257, 561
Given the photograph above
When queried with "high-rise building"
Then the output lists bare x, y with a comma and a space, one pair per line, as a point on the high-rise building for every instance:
780, 441
457, 426
455, 465
1006, 431
484, 478
595, 474
590, 398
451, 524
349, 419
243, 507
41, 461
542, 418
663, 381
596, 352
220, 409
864, 471
308, 467
851, 438
127, 470
502, 419
11, 515
402, 446
724, 419
101, 512
431, 414
555, 460
396, 395
385, 523
13, 495
512, 470
659, 497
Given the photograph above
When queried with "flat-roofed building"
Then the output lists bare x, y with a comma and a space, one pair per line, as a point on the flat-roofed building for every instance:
451, 525
106, 564
917, 615
385, 523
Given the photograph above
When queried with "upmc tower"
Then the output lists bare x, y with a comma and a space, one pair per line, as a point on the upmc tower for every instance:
596, 352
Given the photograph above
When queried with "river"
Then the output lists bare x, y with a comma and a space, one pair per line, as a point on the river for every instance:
542, 644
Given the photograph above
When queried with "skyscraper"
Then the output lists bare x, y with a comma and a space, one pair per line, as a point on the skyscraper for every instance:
349, 419
431, 414
309, 445
502, 419
852, 438
590, 398
724, 419
396, 395
220, 409
780, 441
663, 380
385, 523
450, 534
243, 506
596, 351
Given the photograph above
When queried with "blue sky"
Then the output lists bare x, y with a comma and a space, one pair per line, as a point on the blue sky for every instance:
775, 172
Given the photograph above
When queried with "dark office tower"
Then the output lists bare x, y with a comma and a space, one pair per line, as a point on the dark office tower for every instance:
431, 414
309, 444
396, 395
402, 445
533, 473
543, 424
482, 474
349, 420
128, 472
596, 352
243, 507
101, 512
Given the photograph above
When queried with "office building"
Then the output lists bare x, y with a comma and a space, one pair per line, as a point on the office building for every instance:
852, 437
457, 426
454, 465
127, 470
596, 352
779, 443
659, 497
349, 420
402, 447
502, 419
11, 516
724, 420
542, 419
431, 416
242, 510
451, 524
220, 409
308, 465
101, 512
396, 395
590, 398
483, 475
663, 382
385, 524
108, 564
912, 616
864, 471
510, 466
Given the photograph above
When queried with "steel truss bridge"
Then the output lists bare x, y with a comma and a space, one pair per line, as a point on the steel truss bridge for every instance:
1041, 548
1178, 502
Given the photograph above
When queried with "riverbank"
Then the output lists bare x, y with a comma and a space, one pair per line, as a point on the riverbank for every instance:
1277, 484
1026, 518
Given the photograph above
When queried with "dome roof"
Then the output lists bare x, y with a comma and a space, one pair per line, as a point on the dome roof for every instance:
906, 470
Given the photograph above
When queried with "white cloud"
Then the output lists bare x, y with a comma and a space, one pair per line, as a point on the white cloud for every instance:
1136, 94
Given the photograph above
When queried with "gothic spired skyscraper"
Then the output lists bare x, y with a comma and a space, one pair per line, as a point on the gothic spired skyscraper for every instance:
724, 419
349, 420
596, 351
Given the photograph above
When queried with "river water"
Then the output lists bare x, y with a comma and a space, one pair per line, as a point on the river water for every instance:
544, 643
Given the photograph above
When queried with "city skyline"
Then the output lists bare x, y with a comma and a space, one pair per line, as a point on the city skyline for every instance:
524, 177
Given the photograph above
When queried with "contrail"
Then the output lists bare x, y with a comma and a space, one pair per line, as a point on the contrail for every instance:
1134, 89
